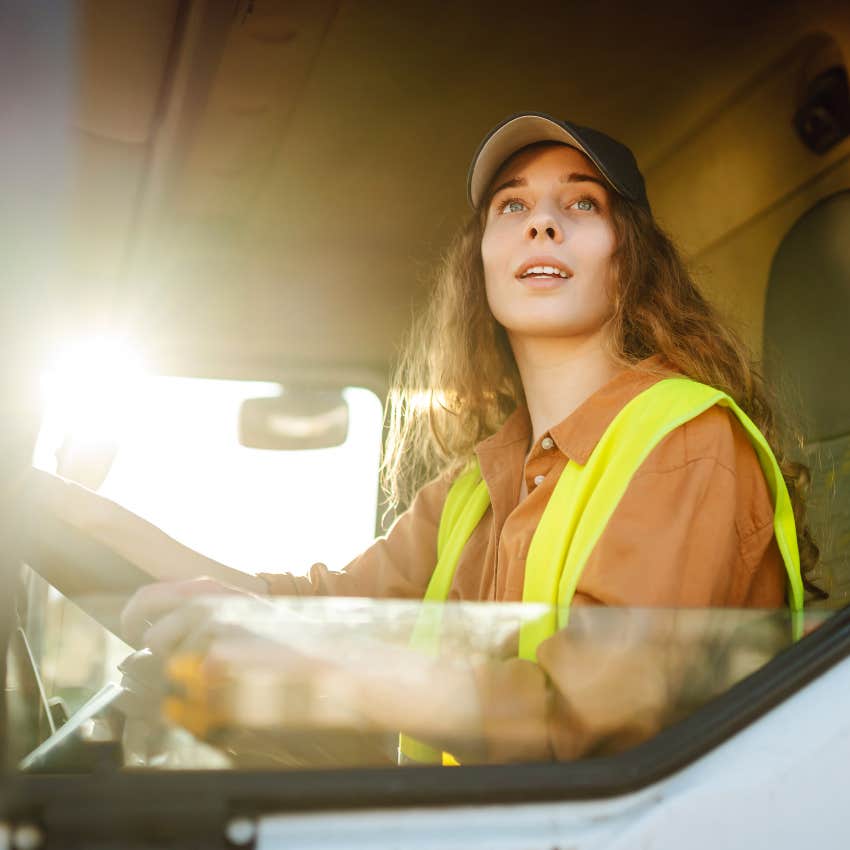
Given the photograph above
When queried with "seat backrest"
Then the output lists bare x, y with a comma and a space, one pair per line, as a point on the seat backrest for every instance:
806, 357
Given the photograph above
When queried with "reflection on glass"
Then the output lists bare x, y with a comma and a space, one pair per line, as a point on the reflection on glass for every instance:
287, 683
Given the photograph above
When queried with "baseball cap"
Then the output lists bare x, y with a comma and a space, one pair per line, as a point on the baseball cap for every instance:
616, 162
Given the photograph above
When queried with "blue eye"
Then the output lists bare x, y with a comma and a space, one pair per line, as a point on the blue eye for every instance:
512, 205
586, 204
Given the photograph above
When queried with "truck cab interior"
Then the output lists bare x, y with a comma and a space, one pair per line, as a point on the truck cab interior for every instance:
219, 219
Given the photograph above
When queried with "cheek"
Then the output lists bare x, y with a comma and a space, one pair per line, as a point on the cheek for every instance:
489, 251
492, 260
598, 244
597, 256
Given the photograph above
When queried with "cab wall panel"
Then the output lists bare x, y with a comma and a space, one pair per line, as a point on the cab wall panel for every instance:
736, 183
734, 271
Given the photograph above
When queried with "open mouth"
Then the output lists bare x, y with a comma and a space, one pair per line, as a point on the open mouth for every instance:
544, 268
545, 272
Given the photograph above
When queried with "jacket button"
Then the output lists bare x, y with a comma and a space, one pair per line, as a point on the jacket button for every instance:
538, 480
547, 443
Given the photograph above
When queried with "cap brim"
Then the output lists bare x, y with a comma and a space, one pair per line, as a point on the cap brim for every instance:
509, 137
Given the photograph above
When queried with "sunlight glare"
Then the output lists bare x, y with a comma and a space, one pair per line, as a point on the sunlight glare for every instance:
85, 394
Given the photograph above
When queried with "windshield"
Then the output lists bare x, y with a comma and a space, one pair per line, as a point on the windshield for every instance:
168, 449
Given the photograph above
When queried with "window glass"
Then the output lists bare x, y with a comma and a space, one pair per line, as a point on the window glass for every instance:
304, 683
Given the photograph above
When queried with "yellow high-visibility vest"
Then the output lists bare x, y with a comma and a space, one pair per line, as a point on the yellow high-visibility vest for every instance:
579, 508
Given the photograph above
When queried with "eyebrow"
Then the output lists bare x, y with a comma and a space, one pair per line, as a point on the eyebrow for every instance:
571, 177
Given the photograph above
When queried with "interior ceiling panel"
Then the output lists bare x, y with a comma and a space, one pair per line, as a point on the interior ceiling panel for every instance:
108, 177
266, 59
327, 162
123, 49
123, 59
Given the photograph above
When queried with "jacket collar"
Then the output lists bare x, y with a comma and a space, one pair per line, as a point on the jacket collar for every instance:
577, 435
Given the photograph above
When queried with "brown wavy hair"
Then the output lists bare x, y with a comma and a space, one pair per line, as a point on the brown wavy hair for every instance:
457, 381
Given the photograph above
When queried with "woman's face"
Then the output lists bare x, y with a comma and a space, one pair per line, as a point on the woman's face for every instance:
547, 245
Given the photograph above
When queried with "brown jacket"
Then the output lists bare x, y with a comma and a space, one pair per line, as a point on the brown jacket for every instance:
693, 529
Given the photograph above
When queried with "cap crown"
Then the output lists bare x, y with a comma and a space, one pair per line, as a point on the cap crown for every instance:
613, 159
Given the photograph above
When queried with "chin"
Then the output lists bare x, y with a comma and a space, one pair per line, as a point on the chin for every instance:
546, 329
548, 326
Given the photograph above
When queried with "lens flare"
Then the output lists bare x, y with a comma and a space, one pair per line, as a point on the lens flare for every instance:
85, 394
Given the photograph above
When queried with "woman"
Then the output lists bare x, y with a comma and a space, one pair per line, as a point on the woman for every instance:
560, 310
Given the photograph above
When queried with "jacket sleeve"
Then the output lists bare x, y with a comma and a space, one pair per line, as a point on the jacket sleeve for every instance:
396, 566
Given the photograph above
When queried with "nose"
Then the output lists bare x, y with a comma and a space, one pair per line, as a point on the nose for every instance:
543, 225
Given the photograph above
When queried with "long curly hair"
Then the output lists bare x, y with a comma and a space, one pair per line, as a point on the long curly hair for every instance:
456, 380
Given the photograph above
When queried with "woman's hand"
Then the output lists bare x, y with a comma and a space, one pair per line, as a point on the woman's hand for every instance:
361, 682
165, 616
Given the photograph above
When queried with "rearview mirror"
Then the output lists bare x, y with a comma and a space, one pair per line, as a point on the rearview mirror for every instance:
300, 418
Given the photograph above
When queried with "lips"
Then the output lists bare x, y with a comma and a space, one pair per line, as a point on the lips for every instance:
543, 268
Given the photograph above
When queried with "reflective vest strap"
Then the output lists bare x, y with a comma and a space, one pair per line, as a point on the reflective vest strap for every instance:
456, 499
418, 751
466, 503
585, 497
